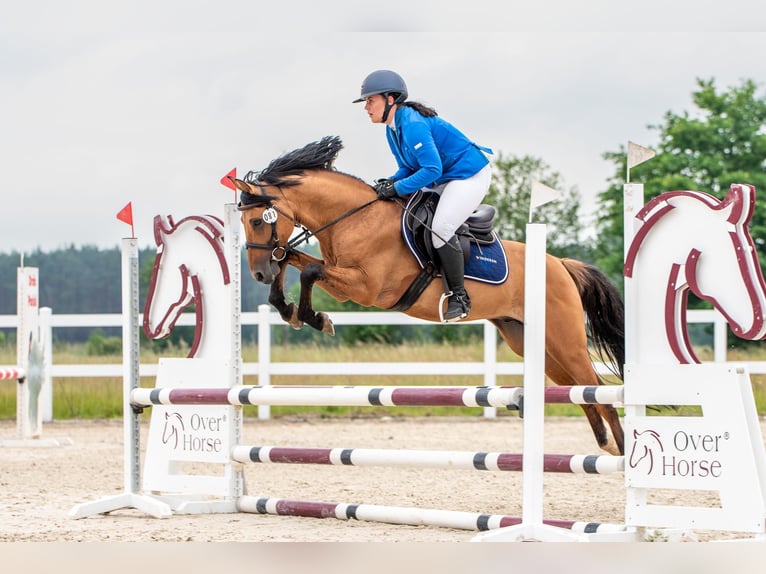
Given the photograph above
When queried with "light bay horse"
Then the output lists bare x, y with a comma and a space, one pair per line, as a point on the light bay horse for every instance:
364, 259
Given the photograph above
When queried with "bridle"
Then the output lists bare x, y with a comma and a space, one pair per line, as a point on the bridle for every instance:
279, 252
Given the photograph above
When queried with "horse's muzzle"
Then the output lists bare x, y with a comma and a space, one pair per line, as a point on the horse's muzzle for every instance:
266, 277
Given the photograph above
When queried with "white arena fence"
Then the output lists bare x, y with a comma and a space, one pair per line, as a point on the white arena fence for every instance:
488, 369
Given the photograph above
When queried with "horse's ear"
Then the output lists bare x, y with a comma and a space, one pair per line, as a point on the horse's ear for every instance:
241, 185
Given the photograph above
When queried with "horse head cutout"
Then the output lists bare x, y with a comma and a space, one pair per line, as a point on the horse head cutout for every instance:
689, 241
179, 279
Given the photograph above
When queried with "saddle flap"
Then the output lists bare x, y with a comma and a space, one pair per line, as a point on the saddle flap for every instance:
484, 255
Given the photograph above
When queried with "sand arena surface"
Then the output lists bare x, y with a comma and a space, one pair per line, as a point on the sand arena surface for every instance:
39, 486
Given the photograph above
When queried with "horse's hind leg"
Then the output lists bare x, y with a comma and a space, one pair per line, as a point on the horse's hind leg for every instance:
570, 368
571, 365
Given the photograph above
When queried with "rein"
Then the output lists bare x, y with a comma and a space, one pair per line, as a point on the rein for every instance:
281, 252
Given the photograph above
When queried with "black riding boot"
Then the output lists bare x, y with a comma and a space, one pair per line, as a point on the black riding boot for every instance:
451, 256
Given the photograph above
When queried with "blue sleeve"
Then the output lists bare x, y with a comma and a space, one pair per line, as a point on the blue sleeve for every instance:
401, 173
419, 139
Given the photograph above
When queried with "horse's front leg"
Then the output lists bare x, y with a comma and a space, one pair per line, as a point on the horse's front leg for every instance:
288, 311
312, 273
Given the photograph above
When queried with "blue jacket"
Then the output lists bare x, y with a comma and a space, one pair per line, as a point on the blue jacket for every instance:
430, 151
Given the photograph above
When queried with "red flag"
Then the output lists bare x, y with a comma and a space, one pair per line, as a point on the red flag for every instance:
227, 182
126, 216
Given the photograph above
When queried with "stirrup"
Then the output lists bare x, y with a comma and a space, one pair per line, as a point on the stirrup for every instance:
446, 296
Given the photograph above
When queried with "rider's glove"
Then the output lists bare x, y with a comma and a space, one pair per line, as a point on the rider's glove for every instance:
385, 189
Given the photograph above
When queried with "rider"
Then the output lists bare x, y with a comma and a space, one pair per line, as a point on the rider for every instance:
431, 154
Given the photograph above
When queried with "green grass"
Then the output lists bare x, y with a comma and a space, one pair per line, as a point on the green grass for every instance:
102, 397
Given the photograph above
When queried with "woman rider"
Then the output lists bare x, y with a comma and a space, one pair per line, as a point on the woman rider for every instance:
434, 155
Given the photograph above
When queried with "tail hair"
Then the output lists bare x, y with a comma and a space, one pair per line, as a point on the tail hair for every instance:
604, 312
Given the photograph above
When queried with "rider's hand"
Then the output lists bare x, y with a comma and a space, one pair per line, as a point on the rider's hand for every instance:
385, 189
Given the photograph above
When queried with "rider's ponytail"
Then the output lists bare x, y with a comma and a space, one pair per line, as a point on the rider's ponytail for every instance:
422, 109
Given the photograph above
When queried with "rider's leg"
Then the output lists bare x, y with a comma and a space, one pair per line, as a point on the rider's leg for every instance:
451, 256
459, 198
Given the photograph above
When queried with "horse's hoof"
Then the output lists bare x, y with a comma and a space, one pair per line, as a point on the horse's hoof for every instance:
327, 326
294, 322
611, 447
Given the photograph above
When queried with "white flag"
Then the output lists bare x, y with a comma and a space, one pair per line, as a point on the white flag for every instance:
542, 194
638, 154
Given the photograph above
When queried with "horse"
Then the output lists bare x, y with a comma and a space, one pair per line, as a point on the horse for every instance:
178, 281
694, 242
364, 259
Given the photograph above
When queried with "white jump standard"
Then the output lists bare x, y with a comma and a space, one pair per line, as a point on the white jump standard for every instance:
32, 371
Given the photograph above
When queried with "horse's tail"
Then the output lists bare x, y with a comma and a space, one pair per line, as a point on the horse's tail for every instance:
604, 312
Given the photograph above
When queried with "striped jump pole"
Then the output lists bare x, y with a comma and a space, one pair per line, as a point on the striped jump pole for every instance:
407, 516
370, 396
7, 373
465, 460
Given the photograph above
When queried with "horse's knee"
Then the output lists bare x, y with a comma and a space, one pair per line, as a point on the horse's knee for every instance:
312, 273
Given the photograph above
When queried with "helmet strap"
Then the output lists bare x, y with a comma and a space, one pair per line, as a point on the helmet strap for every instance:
387, 109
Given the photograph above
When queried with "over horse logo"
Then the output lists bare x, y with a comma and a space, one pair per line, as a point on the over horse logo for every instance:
689, 241
173, 430
646, 445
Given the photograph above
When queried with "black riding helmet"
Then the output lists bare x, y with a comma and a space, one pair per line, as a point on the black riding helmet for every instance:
383, 82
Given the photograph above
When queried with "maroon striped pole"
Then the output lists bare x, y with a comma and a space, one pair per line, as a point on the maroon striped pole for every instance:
458, 520
562, 463
370, 396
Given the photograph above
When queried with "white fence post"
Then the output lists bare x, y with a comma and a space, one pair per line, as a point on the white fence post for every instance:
264, 355
490, 362
46, 338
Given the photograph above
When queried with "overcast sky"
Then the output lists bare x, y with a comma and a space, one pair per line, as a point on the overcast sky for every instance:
104, 102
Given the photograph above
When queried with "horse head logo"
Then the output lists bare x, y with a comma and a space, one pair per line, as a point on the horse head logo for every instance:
174, 426
645, 445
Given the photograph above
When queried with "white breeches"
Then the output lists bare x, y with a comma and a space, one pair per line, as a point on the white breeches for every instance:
459, 198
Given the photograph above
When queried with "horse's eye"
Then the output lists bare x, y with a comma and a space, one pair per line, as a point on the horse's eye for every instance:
255, 222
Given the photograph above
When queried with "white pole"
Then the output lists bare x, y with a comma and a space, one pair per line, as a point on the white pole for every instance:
534, 374
130, 363
633, 201
28, 419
